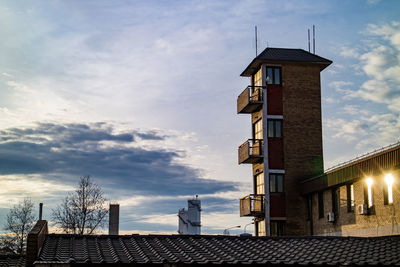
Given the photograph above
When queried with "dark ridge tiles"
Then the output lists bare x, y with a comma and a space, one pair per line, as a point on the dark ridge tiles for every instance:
12, 260
217, 250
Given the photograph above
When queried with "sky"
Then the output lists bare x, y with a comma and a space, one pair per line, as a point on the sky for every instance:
141, 96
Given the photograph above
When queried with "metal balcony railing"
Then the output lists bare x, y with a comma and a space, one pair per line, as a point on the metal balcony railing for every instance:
250, 100
251, 151
252, 205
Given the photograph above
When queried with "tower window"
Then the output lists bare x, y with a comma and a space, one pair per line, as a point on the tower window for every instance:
350, 197
273, 75
277, 228
261, 228
276, 183
260, 183
258, 130
275, 128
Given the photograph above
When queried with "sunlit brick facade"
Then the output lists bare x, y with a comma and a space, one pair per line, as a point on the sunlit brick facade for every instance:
284, 100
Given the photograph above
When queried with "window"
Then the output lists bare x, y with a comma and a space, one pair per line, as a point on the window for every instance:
273, 75
261, 228
274, 128
388, 190
276, 183
257, 81
258, 130
277, 228
335, 201
260, 183
350, 197
321, 205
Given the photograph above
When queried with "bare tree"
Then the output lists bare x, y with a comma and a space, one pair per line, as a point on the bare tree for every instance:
83, 211
20, 221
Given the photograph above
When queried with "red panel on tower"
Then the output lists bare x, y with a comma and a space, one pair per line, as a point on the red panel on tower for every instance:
278, 205
274, 99
275, 153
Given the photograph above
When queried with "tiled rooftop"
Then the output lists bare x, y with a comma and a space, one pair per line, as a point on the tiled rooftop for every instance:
12, 261
206, 249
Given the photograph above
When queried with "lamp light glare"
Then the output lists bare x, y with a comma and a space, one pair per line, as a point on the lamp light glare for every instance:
369, 182
389, 179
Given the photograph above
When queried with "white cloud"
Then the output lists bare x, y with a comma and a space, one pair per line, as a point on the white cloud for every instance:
355, 110
381, 63
13, 188
6, 74
373, 2
343, 87
330, 100
349, 52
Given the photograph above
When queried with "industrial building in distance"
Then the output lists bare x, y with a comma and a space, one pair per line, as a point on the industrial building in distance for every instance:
292, 195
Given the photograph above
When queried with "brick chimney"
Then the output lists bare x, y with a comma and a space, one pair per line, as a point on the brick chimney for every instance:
35, 241
113, 220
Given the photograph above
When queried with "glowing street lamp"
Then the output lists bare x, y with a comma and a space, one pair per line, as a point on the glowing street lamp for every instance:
389, 180
369, 184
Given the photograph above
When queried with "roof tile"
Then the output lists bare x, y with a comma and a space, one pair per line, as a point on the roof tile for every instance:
181, 249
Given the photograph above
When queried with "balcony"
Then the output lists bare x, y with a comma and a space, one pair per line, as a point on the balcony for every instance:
251, 151
250, 100
252, 205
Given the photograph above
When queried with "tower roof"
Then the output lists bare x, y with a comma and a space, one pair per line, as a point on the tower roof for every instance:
284, 55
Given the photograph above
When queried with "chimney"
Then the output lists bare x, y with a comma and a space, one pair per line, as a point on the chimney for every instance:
113, 228
35, 241
40, 211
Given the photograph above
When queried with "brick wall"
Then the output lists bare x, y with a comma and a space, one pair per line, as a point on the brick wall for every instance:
302, 138
35, 240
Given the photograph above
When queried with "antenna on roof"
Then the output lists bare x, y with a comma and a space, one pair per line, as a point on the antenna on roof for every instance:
256, 39
313, 32
309, 48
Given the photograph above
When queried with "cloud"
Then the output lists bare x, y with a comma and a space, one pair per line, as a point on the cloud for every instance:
343, 87
380, 62
373, 2
14, 188
349, 52
113, 158
150, 135
354, 110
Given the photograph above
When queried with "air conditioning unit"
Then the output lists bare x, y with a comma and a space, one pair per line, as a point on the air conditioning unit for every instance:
330, 217
362, 209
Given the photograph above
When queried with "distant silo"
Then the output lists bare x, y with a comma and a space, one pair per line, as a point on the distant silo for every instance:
183, 222
190, 220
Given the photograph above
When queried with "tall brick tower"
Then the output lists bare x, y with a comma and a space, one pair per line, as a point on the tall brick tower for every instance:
284, 100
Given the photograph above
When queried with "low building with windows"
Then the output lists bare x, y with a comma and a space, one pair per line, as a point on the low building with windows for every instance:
357, 198
292, 195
